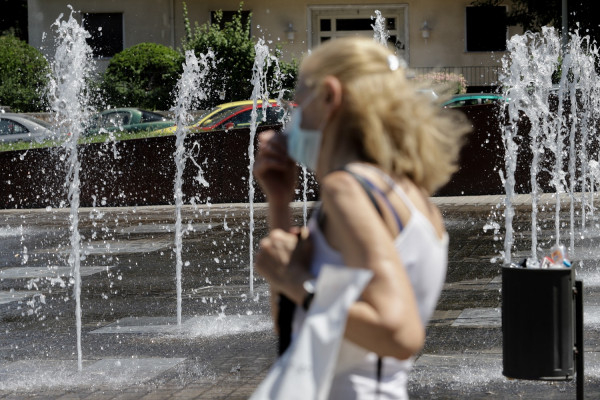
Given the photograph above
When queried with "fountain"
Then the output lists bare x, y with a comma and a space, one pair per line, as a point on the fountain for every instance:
70, 106
190, 89
561, 116
380, 34
263, 60
71, 69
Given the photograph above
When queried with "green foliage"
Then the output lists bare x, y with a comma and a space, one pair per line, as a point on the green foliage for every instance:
23, 76
288, 76
234, 51
143, 76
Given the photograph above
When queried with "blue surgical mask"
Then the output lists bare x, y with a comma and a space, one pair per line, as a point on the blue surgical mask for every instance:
303, 144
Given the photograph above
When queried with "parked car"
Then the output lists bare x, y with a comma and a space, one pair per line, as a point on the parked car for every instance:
234, 115
471, 99
126, 120
23, 128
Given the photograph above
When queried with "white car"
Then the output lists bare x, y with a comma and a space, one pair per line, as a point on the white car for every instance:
23, 128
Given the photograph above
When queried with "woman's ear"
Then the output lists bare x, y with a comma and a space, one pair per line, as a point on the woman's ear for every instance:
333, 92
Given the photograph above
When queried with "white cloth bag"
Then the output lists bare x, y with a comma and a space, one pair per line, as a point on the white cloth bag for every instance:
305, 370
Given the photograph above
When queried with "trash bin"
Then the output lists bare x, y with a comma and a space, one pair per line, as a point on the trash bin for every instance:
538, 323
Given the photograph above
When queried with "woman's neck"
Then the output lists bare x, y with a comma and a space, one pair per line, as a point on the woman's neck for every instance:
339, 148
336, 162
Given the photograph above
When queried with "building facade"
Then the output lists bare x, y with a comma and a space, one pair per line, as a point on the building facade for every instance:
448, 35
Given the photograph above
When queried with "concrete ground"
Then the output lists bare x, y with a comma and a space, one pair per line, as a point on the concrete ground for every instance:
133, 348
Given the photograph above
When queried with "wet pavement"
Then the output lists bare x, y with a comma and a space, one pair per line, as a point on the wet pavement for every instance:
133, 348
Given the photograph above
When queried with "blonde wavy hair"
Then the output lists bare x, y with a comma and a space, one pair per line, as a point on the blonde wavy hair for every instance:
390, 122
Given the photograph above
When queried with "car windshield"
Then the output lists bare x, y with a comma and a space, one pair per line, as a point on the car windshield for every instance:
149, 116
115, 119
203, 115
277, 115
221, 115
10, 127
38, 121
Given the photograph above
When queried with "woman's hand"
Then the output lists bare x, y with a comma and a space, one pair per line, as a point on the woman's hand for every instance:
274, 170
284, 260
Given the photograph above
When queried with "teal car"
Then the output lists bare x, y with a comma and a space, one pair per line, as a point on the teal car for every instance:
129, 120
472, 99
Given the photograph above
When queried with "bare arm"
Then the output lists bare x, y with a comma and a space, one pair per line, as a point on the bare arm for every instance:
385, 320
276, 174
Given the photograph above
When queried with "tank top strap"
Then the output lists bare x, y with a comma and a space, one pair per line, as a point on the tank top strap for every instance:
368, 186
397, 188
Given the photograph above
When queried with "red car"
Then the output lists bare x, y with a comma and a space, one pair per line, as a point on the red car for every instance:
238, 115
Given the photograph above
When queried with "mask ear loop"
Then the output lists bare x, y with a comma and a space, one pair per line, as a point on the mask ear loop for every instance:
301, 106
308, 100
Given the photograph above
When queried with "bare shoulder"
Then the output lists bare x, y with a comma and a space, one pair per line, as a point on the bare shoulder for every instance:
338, 183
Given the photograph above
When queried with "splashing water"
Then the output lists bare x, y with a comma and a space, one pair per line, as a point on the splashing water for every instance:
304, 195
262, 62
190, 90
380, 34
561, 116
71, 68
581, 88
530, 83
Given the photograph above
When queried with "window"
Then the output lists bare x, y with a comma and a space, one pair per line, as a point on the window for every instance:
115, 119
106, 30
486, 28
9, 127
275, 115
243, 119
220, 116
148, 116
330, 22
13, 18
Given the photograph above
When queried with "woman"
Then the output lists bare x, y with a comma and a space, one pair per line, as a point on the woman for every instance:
378, 150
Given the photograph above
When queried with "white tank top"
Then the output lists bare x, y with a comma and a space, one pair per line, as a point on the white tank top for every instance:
425, 257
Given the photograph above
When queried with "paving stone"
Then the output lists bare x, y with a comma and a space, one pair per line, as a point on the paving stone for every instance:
226, 358
71, 396
141, 325
101, 395
444, 317
204, 326
29, 374
479, 317
157, 395
12, 296
49, 273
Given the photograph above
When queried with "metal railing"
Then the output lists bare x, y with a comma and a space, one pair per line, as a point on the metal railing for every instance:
474, 75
